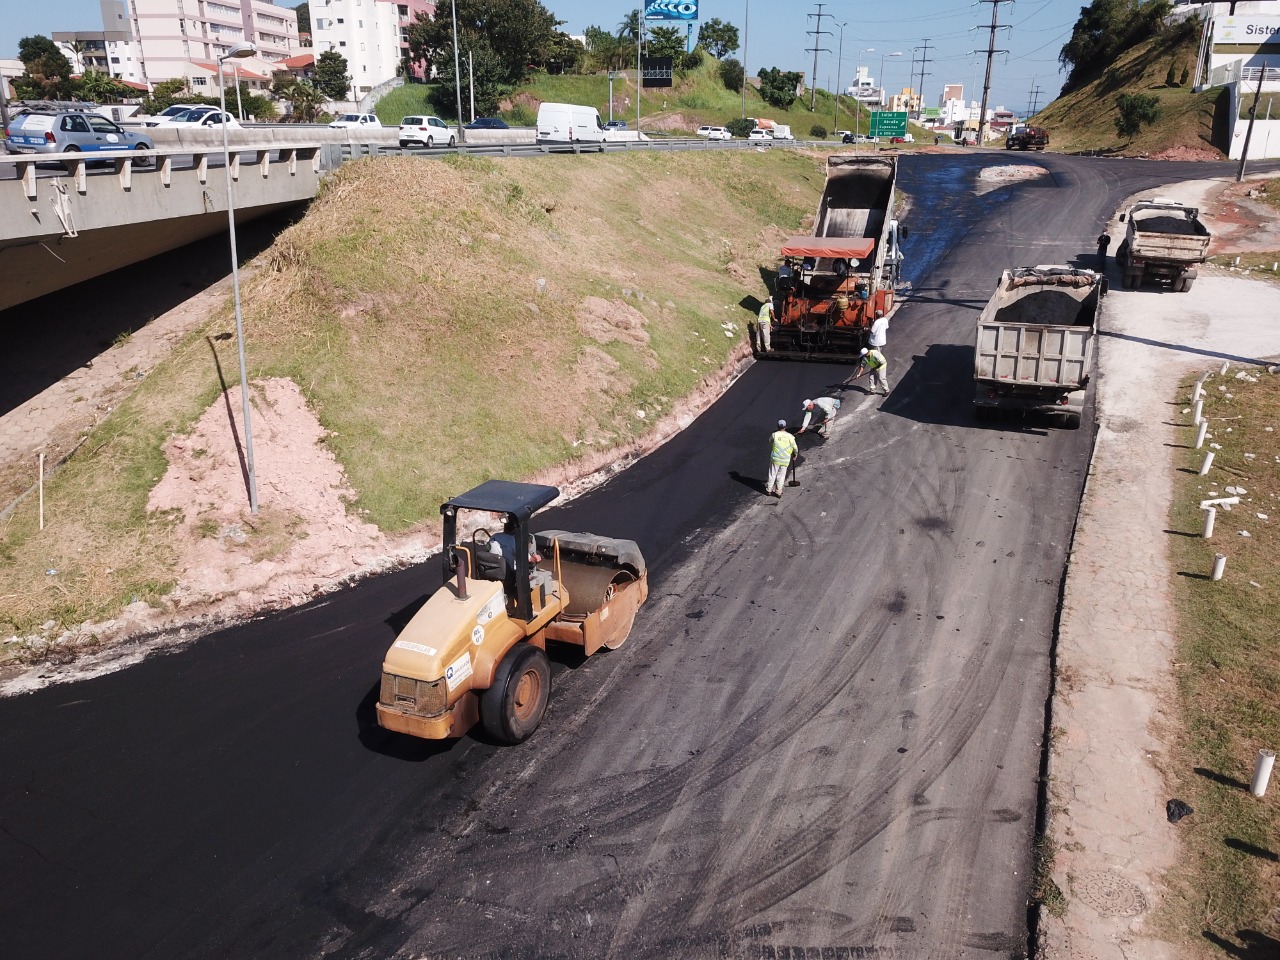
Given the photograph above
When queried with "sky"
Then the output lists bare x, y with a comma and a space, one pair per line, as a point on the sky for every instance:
777, 38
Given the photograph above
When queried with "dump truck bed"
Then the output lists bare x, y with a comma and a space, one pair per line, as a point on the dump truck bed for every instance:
1159, 235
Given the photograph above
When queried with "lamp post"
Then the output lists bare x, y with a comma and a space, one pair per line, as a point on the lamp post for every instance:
883, 91
746, 32
457, 76
238, 52
835, 119
612, 74
857, 117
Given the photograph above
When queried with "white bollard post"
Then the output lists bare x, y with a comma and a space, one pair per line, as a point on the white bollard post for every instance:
1219, 566
1197, 412
1262, 772
1202, 433
1208, 462
1210, 514
1226, 365
1197, 391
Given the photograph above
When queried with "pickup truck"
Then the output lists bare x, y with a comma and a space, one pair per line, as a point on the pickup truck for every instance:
1034, 349
1027, 138
1163, 239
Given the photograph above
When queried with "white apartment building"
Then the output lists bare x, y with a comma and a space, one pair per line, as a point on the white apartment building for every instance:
174, 34
371, 34
111, 50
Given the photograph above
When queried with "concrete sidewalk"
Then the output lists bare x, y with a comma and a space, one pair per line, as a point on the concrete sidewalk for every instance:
1115, 693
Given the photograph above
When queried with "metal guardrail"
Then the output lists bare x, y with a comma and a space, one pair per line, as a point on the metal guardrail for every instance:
352, 151
159, 162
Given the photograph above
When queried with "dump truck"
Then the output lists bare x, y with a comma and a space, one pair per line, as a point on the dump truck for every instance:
475, 652
1027, 138
1035, 342
832, 285
1163, 239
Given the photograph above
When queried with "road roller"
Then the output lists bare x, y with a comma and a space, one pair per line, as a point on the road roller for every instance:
476, 651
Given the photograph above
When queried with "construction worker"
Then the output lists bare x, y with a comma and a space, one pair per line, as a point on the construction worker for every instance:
782, 450
1104, 241
873, 362
879, 335
828, 406
764, 324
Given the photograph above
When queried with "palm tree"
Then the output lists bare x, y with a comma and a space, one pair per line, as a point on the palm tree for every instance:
629, 28
98, 87
305, 98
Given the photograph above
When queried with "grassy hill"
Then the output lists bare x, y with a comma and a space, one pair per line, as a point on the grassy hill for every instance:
698, 98
1085, 118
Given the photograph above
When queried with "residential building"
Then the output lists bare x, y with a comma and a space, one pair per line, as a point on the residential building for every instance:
951, 91
864, 89
111, 50
373, 36
180, 38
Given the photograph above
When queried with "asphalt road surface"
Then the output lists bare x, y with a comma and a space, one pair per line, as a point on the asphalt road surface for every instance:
822, 740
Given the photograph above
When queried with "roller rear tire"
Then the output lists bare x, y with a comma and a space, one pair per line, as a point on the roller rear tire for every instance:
514, 705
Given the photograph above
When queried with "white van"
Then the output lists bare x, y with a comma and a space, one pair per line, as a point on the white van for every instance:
569, 123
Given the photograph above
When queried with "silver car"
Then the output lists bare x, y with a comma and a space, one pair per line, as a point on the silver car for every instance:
71, 132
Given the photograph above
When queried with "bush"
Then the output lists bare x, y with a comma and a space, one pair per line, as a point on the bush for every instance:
1171, 78
1135, 110
740, 126
818, 132
521, 116
691, 60
732, 74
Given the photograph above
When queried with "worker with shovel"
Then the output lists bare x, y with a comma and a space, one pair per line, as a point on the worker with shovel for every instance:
874, 363
782, 453
828, 406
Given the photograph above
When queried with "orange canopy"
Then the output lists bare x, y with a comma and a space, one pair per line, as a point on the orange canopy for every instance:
834, 247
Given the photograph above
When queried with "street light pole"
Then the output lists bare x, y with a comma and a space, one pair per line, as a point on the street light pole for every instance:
835, 120
746, 33
457, 76
857, 116
239, 51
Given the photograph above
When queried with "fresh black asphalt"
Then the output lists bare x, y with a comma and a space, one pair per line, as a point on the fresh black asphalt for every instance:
823, 737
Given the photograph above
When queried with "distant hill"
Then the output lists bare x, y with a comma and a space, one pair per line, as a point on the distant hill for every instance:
1191, 125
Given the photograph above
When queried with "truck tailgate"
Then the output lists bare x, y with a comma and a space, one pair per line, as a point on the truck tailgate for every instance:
1169, 246
1032, 354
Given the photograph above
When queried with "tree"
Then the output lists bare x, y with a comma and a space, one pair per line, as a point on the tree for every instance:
520, 35
31, 49
303, 10
732, 75
98, 87
605, 51
818, 132
629, 27
718, 38
304, 97
778, 88
47, 71
1135, 110
1171, 77
331, 75
666, 42
740, 126
1186, 75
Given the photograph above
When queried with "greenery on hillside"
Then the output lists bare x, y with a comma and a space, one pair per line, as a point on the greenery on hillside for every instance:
1085, 118
449, 321
1105, 30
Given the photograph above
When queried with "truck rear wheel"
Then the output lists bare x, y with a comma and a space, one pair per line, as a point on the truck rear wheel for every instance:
1184, 284
513, 706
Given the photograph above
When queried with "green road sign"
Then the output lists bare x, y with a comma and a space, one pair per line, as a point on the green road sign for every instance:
889, 123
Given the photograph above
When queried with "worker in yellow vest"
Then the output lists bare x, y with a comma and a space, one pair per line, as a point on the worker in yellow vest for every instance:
764, 325
782, 450
873, 362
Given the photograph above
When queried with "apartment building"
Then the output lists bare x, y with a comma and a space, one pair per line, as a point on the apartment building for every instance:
111, 50
175, 34
373, 35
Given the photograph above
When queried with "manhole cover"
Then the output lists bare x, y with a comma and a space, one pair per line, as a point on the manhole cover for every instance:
1110, 895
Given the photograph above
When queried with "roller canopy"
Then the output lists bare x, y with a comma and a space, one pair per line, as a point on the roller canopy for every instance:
837, 248
505, 496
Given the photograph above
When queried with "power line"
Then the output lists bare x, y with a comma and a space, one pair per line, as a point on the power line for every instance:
991, 54
816, 32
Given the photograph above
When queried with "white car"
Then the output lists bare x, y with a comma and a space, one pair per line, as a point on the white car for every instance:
365, 120
759, 134
203, 120
705, 131
166, 116
719, 133
426, 132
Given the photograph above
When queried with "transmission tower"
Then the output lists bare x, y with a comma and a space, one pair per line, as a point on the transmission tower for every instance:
816, 33
1035, 99
991, 54
924, 62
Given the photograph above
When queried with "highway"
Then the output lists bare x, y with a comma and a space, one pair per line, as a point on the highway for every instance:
823, 738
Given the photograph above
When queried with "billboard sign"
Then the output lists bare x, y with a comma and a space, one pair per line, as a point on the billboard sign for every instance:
1249, 31
657, 71
889, 123
671, 10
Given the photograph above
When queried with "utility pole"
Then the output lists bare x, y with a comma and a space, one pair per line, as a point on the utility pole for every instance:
746, 35
1253, 115
924, 62
1035, 100
816, 33
991, 54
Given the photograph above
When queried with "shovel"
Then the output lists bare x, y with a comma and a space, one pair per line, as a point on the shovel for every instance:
793, 481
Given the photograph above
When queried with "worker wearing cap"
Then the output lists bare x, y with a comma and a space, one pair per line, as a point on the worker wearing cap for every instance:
879, 335
782, 450
764, 324
875, 363
828, 406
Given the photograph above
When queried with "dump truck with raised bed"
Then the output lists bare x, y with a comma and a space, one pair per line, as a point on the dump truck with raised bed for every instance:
1034, 347
831, 286
475, 652
1163, 240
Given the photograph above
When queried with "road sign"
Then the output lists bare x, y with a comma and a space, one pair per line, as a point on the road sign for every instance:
889, 123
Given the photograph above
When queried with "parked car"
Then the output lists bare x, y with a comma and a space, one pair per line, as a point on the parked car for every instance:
64, 131
616, 125
719, 133
365, 120
169, 113
425, 132
488, 123
705, 131
203, 120
897, 139
758, 134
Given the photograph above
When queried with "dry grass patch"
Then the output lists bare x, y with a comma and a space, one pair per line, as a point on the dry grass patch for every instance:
1228, 671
